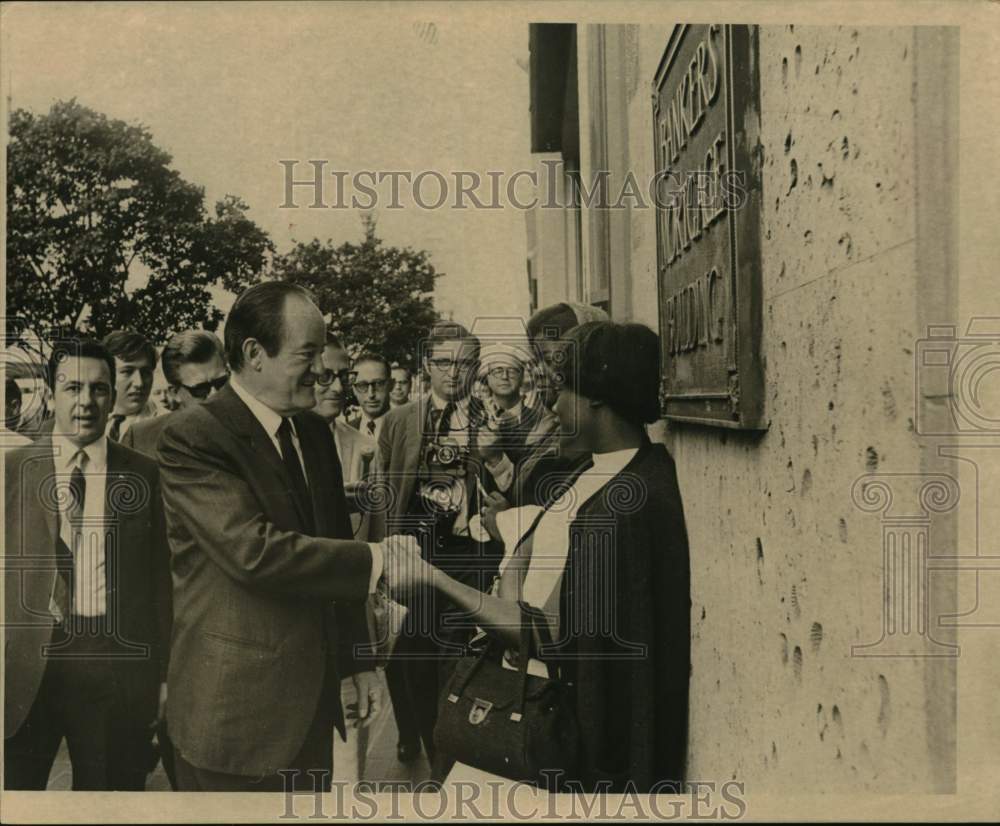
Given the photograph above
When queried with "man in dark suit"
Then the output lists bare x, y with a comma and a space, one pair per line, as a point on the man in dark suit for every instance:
87, 590
194, 365
260, 549
435, 498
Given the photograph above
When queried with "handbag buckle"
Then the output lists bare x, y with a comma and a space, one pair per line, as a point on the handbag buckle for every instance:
480, 708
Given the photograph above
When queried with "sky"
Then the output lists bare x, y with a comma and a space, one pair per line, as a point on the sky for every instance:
229, 90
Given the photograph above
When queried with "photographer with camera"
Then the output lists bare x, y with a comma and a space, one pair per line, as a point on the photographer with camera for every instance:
431, 470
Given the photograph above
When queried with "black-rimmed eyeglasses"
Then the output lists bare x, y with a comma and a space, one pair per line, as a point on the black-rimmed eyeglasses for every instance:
327, 376
378, 386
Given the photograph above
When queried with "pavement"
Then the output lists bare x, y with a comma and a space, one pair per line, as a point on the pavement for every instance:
369, 754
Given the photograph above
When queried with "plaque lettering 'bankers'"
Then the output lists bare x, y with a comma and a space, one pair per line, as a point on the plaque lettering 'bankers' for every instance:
706, 120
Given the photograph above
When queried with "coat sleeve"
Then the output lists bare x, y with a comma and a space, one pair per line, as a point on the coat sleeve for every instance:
352, 632
209, 501
162, 583
632, 675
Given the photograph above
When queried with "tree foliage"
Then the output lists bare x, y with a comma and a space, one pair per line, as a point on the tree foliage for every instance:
102, 234
376, 297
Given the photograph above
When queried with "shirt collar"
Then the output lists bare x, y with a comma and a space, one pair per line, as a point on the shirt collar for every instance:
614, 459
269, 419
64, 452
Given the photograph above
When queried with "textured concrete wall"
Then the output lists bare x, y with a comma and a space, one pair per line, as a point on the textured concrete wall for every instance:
787, 571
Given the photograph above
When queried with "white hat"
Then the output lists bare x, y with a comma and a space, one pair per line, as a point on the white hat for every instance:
503, 353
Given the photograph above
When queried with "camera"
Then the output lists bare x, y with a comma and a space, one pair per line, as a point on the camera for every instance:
445, 455
958, 380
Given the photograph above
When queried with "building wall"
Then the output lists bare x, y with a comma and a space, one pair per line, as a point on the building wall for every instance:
787, 570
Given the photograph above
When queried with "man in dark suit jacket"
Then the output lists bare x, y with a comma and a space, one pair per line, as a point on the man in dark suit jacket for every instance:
261, 547
87, 591
194, 365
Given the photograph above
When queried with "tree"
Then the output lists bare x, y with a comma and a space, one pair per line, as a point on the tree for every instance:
103, 234
376, 297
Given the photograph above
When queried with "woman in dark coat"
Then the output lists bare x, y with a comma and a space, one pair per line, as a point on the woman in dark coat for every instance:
606, 560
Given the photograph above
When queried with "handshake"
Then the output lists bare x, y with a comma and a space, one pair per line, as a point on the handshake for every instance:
403, 566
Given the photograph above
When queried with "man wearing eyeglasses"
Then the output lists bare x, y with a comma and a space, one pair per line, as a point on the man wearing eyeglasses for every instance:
428, 455
355, 448
195, 368
372, 385
402, 383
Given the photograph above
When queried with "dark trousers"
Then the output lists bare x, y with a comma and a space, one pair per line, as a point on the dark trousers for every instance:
81, 699
430, 642
310, 770
412, 677
167, 753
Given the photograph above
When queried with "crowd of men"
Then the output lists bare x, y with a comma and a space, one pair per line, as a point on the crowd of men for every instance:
189, 577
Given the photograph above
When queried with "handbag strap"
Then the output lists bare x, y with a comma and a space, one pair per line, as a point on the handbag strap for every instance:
527, 624
529, 620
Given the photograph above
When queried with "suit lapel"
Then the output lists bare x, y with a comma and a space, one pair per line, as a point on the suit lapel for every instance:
39, 475
413, 436
115, 519
231, 412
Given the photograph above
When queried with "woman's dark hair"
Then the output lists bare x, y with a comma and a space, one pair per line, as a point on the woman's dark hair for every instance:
83, 348
618, 364
259, 313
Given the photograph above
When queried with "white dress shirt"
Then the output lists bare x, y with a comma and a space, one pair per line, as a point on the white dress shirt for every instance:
271, 420
90, 598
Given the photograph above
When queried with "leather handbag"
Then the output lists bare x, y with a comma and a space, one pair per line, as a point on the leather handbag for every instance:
509, 722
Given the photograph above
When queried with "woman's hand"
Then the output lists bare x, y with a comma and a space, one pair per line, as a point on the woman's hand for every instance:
495, 502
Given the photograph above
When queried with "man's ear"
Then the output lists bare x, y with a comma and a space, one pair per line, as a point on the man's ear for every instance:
252, 353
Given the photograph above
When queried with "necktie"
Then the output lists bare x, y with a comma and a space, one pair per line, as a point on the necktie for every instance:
62, 594
444, 419
290, 456
371, 428
116, 427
